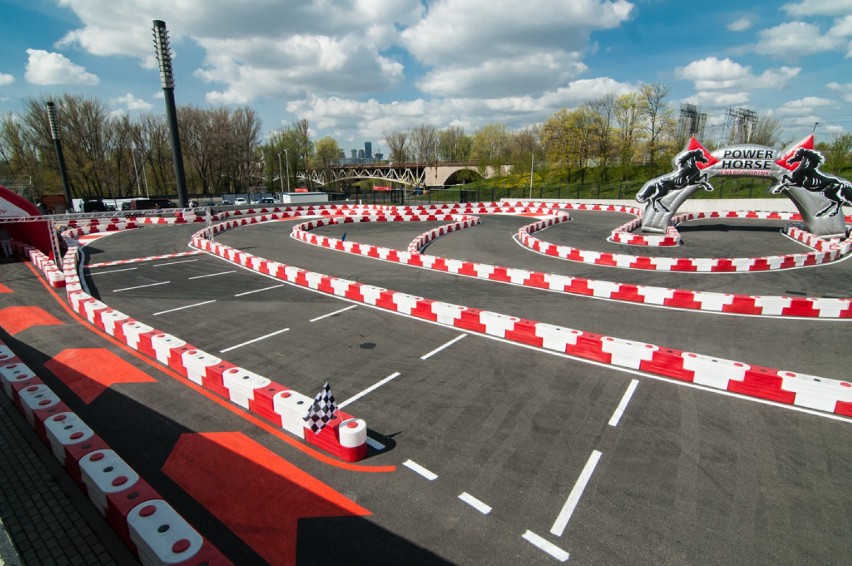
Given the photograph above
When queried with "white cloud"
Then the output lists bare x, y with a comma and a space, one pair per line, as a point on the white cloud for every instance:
740, 24
712, 99
803, 106
795, 39
131, 102
725, 74
6, 79
508, 76
844, 90
45, 68
818, 7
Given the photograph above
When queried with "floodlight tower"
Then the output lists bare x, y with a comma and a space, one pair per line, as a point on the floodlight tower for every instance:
164, 56
54, 132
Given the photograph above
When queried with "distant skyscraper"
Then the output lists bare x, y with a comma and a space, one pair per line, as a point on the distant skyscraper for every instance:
368, 150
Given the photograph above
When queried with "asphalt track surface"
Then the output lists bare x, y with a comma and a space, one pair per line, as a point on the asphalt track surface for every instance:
482, 451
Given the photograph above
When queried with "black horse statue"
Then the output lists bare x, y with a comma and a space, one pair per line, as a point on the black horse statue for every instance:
808, 177
687, 174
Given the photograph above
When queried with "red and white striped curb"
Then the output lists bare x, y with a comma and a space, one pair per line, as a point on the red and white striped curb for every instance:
755, 305
247, 389
781, 386
128, 503
826, 251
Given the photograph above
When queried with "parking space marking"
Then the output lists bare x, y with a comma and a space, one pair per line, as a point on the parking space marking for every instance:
546, 546
252, 341
141, 286
439, 348
212, 275
574, 497
332, 313
258, 290
619, 411
184, 307
375, 444
370, 389
173, 263
475, 503
417, 468
111, 271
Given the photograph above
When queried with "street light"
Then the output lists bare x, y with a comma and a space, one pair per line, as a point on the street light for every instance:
57, 144
287, 153
164, 57
281, 172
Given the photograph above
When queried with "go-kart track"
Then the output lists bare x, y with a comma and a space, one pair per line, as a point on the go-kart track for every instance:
534, 391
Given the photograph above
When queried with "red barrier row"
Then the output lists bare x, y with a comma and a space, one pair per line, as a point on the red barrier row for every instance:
757, 305
777, 385
145, 522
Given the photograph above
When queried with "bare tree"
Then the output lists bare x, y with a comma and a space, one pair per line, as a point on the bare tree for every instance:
453, 145
424, 143
398, 146
656, 112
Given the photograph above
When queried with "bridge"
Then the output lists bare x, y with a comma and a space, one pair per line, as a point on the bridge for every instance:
411, 174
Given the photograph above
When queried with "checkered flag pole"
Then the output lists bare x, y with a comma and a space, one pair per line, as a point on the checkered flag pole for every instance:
323, 409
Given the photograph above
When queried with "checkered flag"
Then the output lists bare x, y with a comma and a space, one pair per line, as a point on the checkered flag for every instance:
322, 410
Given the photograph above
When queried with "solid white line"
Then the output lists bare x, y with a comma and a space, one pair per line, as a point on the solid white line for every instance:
212, 275
332, 313
475, 503
420, 470
439, 348
574, 497
186, 307
258, 339
258, 290
546, 546
112, 271
140, 286
368, 390
172, 263
375, 444
619, 411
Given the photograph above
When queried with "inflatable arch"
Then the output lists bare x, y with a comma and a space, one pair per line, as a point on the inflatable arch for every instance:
818, 197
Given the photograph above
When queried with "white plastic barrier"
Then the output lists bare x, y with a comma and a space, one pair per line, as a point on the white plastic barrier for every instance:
65, 429
104, 472
241, 384
36, 397
14, 373
292, 406
161, 535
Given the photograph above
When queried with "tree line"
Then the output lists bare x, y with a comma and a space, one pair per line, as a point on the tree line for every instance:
624, 137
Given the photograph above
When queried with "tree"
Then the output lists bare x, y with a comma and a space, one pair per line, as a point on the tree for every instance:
454, 145
423, 140
398, 146
566, 137
601, 111
658, 117
627, 118
490, 147
839, 154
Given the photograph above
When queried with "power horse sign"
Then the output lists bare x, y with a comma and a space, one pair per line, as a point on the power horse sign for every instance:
818, 197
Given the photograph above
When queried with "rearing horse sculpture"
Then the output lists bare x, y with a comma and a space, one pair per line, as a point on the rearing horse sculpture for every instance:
688, 174
808, 177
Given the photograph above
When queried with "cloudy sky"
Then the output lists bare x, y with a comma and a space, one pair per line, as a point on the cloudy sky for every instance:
357, 69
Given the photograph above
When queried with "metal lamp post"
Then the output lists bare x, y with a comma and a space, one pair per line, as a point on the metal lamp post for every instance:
281, 173
54, 132
164, 56
287, 153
